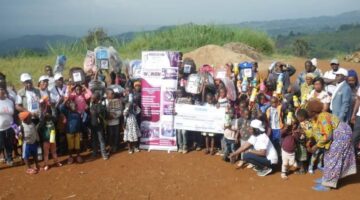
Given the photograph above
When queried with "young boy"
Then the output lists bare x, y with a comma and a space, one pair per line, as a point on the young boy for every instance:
274, 115
182, 134
231, 135
288, 147
98, 113
114, 108
73, 129
209, 137
31, 139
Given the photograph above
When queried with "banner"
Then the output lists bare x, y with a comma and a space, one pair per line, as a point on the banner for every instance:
159, 76
199, 118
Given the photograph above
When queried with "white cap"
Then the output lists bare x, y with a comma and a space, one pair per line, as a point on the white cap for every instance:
57, 76
257, 124
314, 61
334, 61
43, 78
342, 71
25, 77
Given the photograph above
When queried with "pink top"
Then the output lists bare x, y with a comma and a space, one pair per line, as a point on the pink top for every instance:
81, 100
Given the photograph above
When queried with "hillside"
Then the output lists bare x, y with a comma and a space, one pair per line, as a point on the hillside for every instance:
303, 25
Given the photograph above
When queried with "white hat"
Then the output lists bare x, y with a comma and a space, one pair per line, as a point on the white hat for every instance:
314, 61
334, 61
57, 76
342, 71
257, 124
25, 77
43, 78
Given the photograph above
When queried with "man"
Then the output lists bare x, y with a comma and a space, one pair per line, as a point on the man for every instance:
341, 98
309, 68
49, 73
330, 76
58, 92
28, 98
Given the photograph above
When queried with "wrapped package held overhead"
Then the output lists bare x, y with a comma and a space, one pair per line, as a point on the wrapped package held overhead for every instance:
89, 62
60, 64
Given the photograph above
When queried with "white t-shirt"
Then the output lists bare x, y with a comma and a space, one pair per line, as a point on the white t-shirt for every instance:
262, 142
330, 75
6, 114
358, 95
324, 97
33, 104
51, 83
56, 93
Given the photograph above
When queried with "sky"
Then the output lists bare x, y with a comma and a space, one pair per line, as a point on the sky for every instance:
75, 17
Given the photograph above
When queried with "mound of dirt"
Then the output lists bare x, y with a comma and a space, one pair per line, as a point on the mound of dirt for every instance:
355, 57
242, 48
215, 55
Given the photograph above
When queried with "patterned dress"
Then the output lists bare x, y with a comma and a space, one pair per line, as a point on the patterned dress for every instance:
339, 160
132, 130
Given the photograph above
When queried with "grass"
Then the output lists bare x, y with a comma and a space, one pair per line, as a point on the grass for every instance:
180, 38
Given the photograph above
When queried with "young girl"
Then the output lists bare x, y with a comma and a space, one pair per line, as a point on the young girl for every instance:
209, 137
73, 129
231, 136
31, 139
47, 130
301, 153
131, 131
274, 116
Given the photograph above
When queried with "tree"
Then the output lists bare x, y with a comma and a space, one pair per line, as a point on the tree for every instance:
96, 37
301, 48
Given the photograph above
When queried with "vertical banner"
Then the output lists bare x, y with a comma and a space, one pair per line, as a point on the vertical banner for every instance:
159, 76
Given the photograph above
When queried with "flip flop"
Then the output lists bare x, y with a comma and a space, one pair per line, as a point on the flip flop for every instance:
31, 171
318, 181
58, 164
321, 188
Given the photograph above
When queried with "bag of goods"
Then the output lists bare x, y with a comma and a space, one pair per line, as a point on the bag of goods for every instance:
97, 86
193, 84
230, 87
89, 62
207, 69
188, 66
245, 70
114, 60
77, 75
134, 70
102, 58
60, 64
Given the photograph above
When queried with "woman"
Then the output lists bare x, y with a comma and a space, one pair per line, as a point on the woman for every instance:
307, 87
7, 134
353, 82
319, 93
335, 136
263, 155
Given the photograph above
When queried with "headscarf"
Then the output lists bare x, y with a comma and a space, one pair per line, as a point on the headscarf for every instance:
352, 73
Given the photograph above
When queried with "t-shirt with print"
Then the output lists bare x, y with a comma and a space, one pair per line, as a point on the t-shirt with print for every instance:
262, 142
6, 114
32, 99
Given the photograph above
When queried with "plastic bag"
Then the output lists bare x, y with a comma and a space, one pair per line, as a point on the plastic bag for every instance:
60, 64
207, 68
102, 58
230, 87
193, 84
134, 69
115, 60
89, 62
77, 75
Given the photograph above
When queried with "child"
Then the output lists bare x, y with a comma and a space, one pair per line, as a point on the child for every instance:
244, 133
47, 130
182, 134
209, 137
301, 153
274, 115
131, 130
259, 110
98, 113
288, 147
114, 108
231, 136
73, 129
31, 139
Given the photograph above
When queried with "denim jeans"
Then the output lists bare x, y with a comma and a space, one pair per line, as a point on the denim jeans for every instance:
97, 136
181, 138
230, 147
114, 137
259, 161
7, 142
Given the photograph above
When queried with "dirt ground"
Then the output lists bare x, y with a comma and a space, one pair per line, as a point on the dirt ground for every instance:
159, 175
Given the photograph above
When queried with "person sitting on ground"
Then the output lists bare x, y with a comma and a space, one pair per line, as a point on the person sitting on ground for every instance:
263, 155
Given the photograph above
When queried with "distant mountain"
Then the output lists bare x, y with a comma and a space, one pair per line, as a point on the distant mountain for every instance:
36, 43
303, 25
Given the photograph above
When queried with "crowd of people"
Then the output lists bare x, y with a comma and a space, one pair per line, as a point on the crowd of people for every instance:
310, 124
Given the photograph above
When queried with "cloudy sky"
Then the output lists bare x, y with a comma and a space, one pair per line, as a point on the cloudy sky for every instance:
75, 17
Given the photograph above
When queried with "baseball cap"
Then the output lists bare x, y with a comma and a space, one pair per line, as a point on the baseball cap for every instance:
342, 71
43, 78
57, 76
25, 77
334, 61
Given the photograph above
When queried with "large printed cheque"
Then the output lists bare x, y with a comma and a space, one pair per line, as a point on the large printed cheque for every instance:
199, 118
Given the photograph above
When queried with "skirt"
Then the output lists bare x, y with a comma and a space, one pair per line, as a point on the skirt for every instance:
339, 160
132, 130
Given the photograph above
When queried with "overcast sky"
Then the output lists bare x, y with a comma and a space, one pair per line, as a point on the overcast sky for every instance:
75, 17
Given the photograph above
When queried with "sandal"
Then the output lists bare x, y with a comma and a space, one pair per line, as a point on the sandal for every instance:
240, 164
70, 160
31, 171
58, 164
79, 159
46, 167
